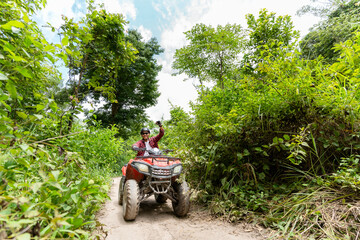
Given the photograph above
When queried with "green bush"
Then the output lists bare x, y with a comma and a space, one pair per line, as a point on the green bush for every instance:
293, 121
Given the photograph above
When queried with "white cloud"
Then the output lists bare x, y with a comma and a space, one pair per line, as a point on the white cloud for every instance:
126, 7
158, 8
54, 10
145, 33
173, 89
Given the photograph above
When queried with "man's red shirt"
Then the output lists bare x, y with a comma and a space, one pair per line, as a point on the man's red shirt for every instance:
153, 141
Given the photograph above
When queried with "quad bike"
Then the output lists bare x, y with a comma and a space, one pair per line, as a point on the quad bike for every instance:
155, 174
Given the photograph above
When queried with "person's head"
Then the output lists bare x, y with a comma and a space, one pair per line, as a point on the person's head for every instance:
145, 133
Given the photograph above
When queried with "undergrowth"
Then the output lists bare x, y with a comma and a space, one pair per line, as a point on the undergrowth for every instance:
280, 147
55, 192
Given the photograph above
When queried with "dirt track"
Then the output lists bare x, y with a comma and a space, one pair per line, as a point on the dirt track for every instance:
157, 221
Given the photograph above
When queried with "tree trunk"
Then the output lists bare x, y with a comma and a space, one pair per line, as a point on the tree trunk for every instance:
114, 110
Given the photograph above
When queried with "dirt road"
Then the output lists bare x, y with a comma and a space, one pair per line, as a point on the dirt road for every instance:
157, 221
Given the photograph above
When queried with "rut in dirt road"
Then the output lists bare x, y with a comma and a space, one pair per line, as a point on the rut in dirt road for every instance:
157, 221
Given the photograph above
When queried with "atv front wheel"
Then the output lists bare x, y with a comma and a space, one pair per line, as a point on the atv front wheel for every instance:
131, 200
160, 198
121, 190
182, 205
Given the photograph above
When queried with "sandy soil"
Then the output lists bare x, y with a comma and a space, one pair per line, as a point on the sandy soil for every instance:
157, 221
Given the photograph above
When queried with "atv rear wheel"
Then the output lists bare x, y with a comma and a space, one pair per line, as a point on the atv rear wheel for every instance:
160, 198
131, 200
182, 205
121, 190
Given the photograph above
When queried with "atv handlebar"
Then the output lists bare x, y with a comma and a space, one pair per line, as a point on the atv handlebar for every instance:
155, 151
139, 149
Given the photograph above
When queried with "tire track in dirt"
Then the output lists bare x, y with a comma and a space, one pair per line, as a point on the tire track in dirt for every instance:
157, 221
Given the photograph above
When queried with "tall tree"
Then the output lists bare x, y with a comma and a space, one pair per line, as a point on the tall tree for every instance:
267, 34
110, 66
135, 85
96, 47
338, 26
211, 53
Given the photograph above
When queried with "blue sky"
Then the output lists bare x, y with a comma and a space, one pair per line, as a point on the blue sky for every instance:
167, 20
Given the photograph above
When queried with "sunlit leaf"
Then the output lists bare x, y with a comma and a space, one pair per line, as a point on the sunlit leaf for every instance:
24, 236
31, 214
24, 147
65, 41
68, 51
18, 59
55, 174
21, 114
49, 48
36, 186
3, 76
38, 116
11, 24
24, 72
6, 106
10, 86
53, 106
39, 107
26, 17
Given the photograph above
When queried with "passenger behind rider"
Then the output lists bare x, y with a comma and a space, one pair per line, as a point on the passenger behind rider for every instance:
146, 142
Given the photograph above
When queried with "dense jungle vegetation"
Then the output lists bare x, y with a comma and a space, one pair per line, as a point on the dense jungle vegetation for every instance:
273, 137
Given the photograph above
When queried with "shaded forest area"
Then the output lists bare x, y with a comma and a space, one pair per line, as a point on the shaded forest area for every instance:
273, 141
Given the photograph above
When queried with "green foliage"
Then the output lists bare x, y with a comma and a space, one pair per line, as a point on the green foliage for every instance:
45, 196
266, 136
212, 52
110, 66
324, 9
135, 87
26, 61
339, 26
177, 129
348, 174
100, 147
51, 184
268, 35
57, 190
96, 49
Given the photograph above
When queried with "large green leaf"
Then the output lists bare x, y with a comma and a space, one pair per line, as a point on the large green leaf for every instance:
39, 107
21, 114
65, 41
14, 23
10, 86
6, 106
25, 72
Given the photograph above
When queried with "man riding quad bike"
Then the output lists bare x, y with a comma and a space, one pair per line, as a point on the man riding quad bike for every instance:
152, 173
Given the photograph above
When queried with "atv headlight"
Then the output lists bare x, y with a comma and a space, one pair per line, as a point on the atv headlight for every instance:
177, 169
142, 167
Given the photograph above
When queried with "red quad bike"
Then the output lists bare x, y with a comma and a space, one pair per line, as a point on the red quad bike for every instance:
154, 174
